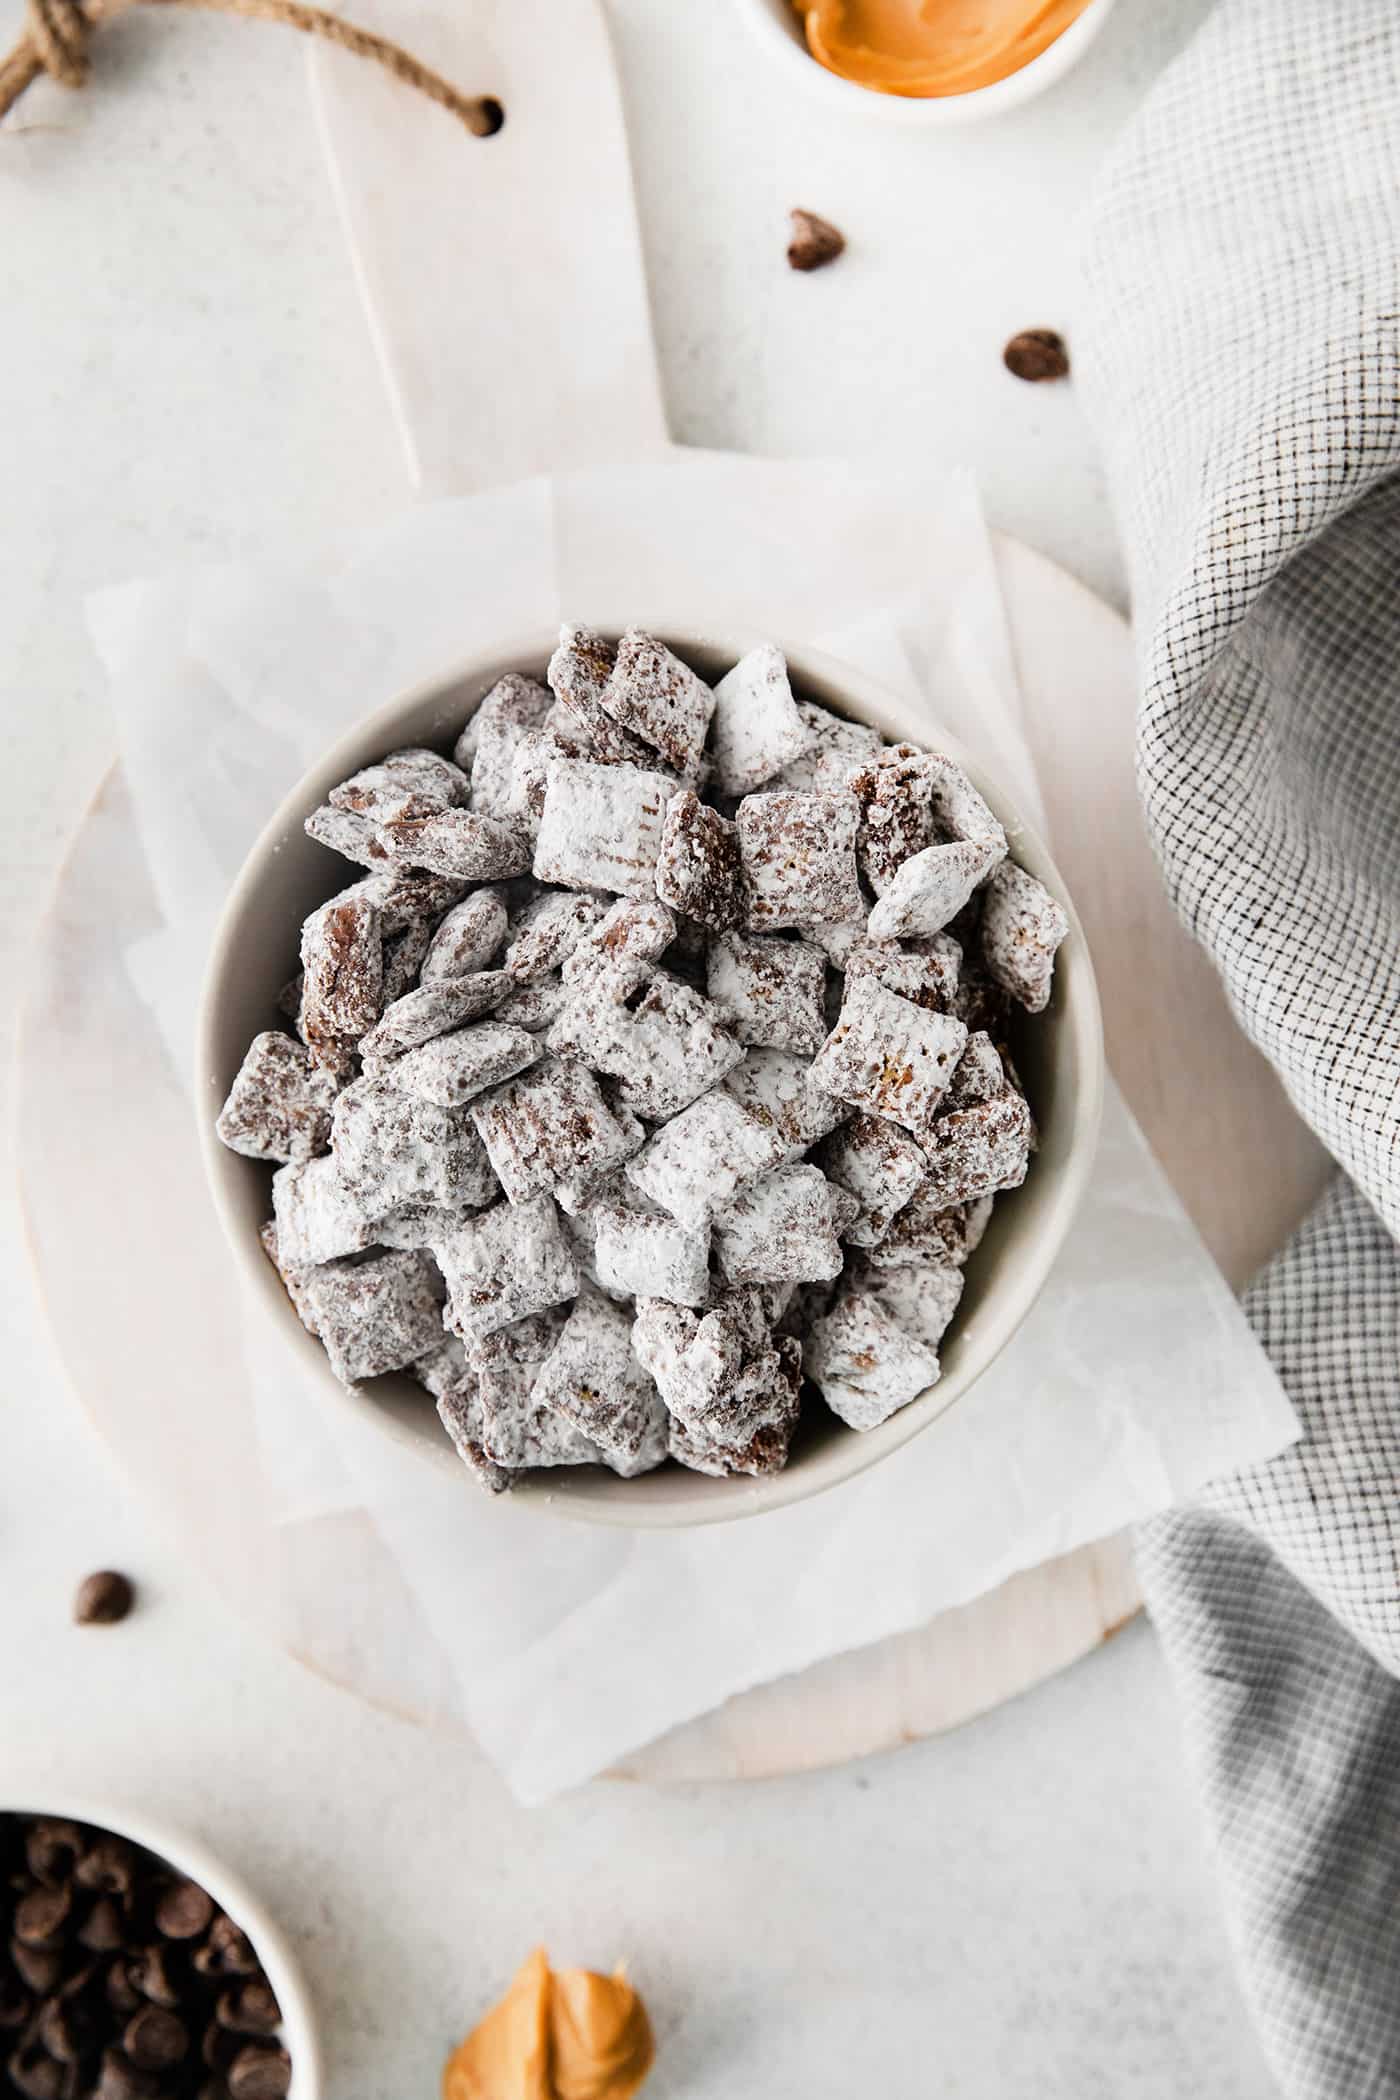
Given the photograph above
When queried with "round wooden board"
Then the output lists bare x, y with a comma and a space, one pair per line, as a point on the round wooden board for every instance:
1241, 1161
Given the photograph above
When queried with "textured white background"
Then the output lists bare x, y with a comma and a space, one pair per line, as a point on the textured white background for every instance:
1022, 1909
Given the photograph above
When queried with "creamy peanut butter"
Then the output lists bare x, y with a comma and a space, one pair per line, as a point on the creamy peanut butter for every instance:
932, 47
571, 2036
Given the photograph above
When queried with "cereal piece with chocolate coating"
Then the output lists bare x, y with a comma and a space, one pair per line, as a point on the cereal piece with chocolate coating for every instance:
649, 1254
510, 1261
692, 1165
601, 827
460, 1413
663, 1042
392, 1149
890, 1057
548, 931
469, 938
345, 832
514, 706
593, 1380
408, 896
1022, 927
655, 696
342, 954
293, 1277
772, 992
930, 888
880, 1165
777, 1090
279, 1106
432, 1010
517, 1428
699, 867
752, 1431
318, 1216
695, 1359
756, 729
452, 1069
921, 1296
896, 812
978, 1151
461, 842
553, 1128
634, 930
377, 1315
924, 1234
579, 671
383, 791
799, 859
779, 1229
960, 812
979, 1075
535, 1007
924, 971
865, 1362
827, 734
403, 959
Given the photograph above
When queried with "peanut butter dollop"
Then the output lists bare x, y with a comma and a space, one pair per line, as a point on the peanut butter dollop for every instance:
571, 2036
932, 47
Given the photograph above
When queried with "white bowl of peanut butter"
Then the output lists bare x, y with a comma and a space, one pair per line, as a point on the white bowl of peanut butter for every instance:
928, 62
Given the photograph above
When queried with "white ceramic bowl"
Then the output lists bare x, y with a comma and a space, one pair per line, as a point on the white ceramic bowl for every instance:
778, 26
191, 1858
1059, 1054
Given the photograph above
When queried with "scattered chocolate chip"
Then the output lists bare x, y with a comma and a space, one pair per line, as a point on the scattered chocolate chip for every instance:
41, 1916
184, 1911
108, 1866
103, 1598
39, 1968
1037, 353
249, 2008
51, 1851
815, 242
151, 1976
122, 2079
103, 1930
155, 2039
492, 116
261, 2071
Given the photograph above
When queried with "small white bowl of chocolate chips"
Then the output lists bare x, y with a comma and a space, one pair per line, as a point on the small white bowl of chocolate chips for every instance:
648, 1072
135, 1966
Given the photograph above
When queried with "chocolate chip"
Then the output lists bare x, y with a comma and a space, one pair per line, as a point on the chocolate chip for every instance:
66, 2027
226, 1952
51, 1850
103, 1930
249, 2008
815, 242
103, 1598
122, 1994
150, 1974
15, 2002
41, 1916
184, 1911
1037, 353
154, 2039
35, 2074
39, 1967
261, 2071
108, 1866
122, 2080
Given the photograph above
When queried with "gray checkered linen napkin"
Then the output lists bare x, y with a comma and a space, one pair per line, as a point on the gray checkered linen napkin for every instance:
1240, 357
